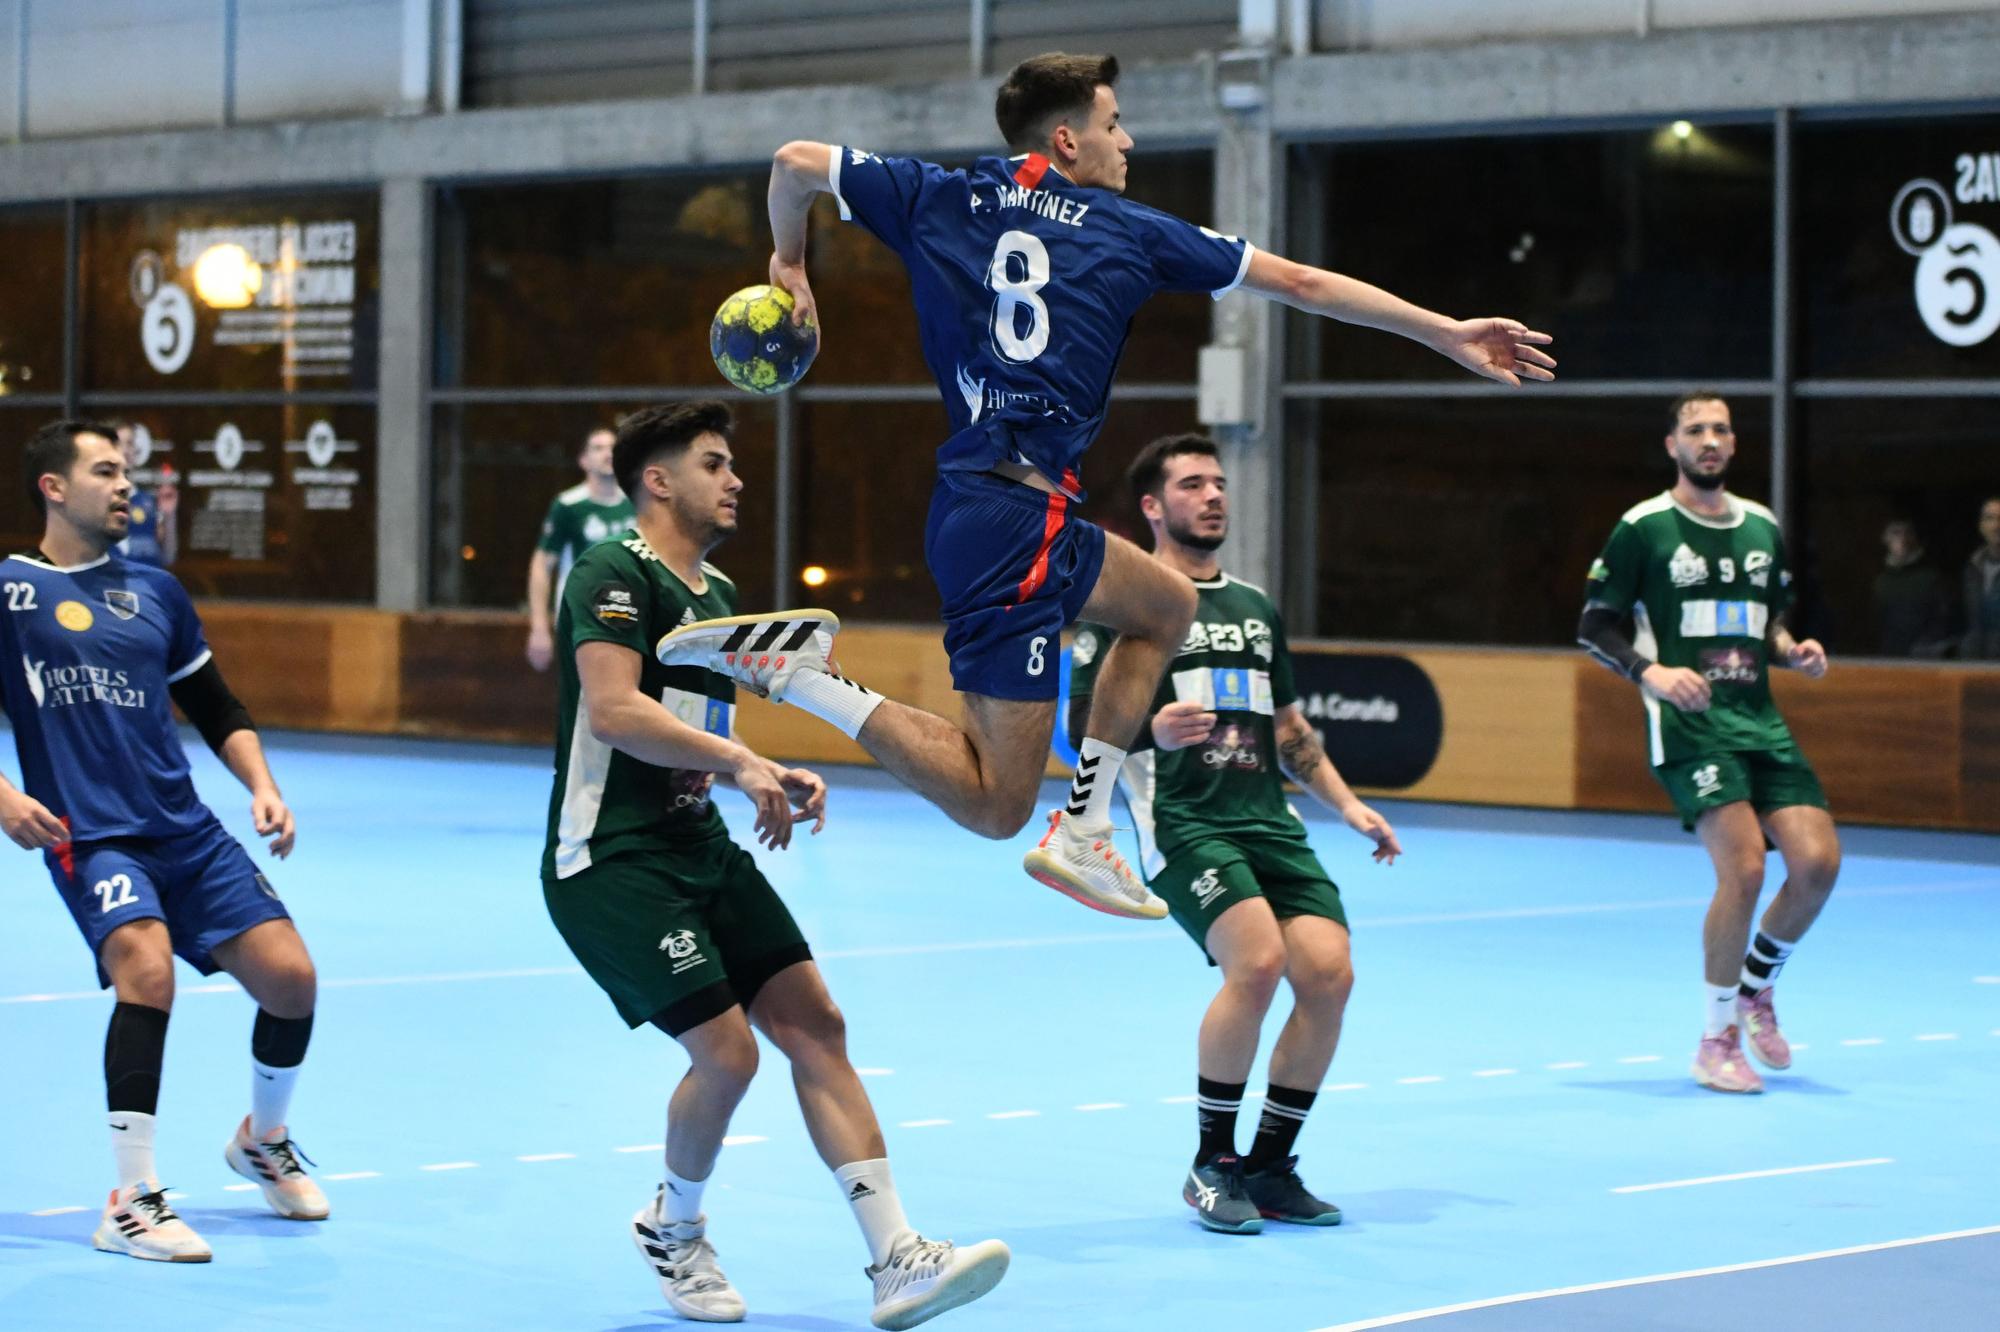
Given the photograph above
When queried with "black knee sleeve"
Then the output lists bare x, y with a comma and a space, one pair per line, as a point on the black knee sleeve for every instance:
135, 1046
277, 1042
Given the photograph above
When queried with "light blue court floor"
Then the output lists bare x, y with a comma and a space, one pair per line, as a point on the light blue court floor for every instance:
1510, 1112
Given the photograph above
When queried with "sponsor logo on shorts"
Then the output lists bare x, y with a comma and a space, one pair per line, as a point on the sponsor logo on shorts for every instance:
1206, 888
264, 887
1707, 780
682, 949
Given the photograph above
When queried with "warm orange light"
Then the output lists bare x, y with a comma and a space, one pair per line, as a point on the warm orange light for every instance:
467, 553
226, 277
813, 575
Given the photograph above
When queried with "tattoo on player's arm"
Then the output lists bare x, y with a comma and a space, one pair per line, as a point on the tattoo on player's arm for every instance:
1300, 754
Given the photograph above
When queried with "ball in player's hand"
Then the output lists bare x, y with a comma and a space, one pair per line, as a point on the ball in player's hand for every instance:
756, 345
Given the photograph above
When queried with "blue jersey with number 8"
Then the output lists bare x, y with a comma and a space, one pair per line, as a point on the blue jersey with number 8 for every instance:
1025, 287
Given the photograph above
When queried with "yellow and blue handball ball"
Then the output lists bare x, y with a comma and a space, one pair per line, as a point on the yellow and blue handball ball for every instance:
756, 345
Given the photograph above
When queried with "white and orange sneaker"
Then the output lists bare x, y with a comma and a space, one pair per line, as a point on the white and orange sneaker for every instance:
1084, 864
1759, 1016
1720, 1066
760, 652
139, 1221
272, 1164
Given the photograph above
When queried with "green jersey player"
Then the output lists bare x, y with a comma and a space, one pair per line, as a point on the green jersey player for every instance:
1704, 579
579, 518
674, 920
1220, 844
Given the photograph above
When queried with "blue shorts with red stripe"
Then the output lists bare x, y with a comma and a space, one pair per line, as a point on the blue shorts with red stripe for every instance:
1013, 567
202, 884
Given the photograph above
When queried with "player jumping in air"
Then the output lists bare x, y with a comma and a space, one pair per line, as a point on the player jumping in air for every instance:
1027, 272
1703, 576
91, 649
669, 915
1220, 843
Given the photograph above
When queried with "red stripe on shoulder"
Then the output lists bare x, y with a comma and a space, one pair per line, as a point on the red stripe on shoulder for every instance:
1031, 171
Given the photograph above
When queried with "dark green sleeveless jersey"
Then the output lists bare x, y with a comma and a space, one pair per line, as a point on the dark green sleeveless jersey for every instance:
606, 802
1235, 662
1703, 593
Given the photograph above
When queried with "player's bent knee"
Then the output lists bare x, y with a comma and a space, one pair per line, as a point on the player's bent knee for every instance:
1257, 970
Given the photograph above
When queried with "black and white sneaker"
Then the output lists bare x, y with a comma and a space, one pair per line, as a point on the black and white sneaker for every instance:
928, 1277
679, 1254
1215, 1191
1278, 1193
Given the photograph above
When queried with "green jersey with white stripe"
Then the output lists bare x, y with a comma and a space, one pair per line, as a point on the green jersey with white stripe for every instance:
576, 522
606, 802
1703, 594
1235, 662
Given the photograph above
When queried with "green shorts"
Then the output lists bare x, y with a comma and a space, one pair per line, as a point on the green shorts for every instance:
1203, 879
1768, 778
680, 936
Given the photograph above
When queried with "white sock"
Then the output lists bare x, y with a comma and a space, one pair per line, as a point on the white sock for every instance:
834, 699
270, 1096
680, 1199
132, 1145
1721, 1008
879, 1212
1096, 778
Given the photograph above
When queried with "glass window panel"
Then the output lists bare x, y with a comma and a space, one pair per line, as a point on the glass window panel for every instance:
497, 466
1866, 462
1898, 262
252, 292
1475, 520
274, 502
1646, 254
20, 521
31, 315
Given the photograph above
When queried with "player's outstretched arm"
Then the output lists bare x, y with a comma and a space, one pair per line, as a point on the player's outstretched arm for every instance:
620, 715
243, 754
799, 170
1304, 760
1502, 349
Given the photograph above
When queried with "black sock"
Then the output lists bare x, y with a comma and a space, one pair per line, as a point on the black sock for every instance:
135, 1045
1216, 1104
277, 1042
1278, 1127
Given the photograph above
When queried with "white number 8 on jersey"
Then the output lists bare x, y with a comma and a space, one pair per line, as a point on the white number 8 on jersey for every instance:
1012, 296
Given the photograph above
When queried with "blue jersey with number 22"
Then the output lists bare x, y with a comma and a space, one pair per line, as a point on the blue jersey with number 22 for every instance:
1025, 288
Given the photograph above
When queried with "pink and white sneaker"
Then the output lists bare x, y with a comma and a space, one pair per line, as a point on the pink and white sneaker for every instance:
1720, 1066
272, 1164
1760, 1025
139, 1221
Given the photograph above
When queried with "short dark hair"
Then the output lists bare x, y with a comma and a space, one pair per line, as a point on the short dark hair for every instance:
1048, 85
1148, 473
52, 451
1695, 395
652, 432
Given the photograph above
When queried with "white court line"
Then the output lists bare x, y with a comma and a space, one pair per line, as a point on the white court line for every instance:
642, 1147
743, 1139
353, 1174
1340, 1086
1863, 1040
1190, 1100
1103, 1105
1940, 1036
452, 1165
1393, 1319
1418, 1081
1496, 1072
1640, 1059
1986, 980
1014, 1114
1566, 1064
923, 1123
238, 1188
548, 1156
1755, 1174
875, 1072
59, 1211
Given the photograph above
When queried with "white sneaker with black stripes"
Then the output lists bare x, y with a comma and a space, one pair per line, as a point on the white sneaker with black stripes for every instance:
272, 1164
760, 652
925, 1278
139, 1221
679, 1254
1084, 864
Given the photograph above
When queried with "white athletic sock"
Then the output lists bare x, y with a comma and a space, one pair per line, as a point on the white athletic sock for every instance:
270, 1096
1720, 1009
1096, 778
879, 1212
834, 699
132, 1145
680, 1200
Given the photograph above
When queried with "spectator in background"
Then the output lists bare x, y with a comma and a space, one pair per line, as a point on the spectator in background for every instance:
1912, 602
152, 537
1982, 590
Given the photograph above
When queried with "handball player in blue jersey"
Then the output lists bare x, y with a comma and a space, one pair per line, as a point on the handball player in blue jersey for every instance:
92, 648
1027, 272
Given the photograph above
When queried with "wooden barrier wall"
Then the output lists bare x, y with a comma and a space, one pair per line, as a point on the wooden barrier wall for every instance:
1914, 745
